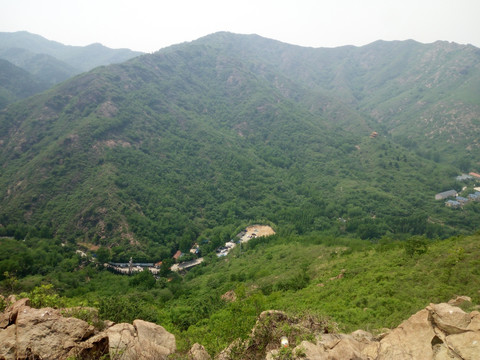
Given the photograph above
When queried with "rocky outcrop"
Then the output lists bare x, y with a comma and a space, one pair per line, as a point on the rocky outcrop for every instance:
198, 352
28, 333
142, 340
438, 332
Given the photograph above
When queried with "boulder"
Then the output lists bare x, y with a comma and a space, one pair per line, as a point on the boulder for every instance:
438, 332
198, 352
29, 333
448, 318
9, 316
459, 300
466, 345
122, 341
142, 340
8, 343
410, 340
339, 346
154, 340
96, 347
46, 334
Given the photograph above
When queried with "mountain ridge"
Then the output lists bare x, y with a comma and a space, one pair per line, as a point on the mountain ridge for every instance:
214, 133
53, 62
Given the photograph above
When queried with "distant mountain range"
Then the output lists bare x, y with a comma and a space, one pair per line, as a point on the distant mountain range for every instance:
50, 62
200, 138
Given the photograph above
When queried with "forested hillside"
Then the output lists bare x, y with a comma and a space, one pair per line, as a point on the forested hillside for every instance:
200, 139
16, 83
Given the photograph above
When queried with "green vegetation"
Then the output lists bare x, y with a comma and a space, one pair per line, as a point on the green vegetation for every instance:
341, 282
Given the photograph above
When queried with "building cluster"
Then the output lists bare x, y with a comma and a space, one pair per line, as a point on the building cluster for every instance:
459, 201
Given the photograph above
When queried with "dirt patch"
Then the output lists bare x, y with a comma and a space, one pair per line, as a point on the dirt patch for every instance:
90, 247
255, 231
260, 230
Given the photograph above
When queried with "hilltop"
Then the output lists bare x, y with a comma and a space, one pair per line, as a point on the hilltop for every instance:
49, 62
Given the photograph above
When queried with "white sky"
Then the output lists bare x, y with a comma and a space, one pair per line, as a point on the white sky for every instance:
148, 25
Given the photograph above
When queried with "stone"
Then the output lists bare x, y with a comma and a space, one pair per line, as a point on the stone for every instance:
448, 318
474, 321
96, 347
46, 334
229, 296
459, 300
121, 341
198, 352
154, 340
142, 340
466, 345
412, 339
9, 316
8, 343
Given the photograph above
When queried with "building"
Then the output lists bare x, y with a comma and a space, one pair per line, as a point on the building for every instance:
177, 255
464, 177
474, 175
474, 197
446, 194
462, 200
453, 204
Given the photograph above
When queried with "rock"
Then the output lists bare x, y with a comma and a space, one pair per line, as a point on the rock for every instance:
474, 321
8, 343
459, 300
410, 340
11, 299
466, 345
198, 352
229, 296
9, 316
154, 340
142, 340
339, 346
448, 318
46, 334
96, 347
438, 332
121, 341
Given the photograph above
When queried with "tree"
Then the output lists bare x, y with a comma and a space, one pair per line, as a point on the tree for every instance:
416, 245
103, 255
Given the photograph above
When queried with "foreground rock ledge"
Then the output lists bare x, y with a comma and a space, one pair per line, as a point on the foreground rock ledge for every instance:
28, 333
438, 332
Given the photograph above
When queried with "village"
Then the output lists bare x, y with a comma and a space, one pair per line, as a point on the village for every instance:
460, 201
243, 237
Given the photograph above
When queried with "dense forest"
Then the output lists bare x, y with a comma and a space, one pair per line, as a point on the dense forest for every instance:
202, 138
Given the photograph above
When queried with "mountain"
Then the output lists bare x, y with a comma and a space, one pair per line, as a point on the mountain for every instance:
46, 67
16, 83
54, 62
199, 139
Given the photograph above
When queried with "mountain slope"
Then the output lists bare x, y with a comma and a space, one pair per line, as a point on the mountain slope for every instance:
82, 58
16, 83
52, 62
216, 133
43, 66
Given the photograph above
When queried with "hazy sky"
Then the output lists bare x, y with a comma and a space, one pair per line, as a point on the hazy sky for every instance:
148, 25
